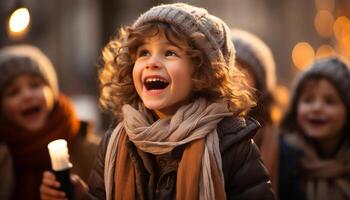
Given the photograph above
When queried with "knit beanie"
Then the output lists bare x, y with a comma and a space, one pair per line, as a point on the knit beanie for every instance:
217, 44
253, 53
19, 59
335, 70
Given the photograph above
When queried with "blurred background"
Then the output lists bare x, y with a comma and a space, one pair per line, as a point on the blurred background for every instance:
73, 33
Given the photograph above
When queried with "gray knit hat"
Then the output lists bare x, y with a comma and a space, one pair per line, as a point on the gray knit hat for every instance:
19, 59
257, 56
189, 19
334, 69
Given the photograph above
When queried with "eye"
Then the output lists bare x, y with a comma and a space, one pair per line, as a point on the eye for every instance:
171, 53
36, 83
142, 53
11, 91
330, 100
307, 99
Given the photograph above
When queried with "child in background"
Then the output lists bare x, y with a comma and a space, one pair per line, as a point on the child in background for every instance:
254, 58
34, 113
183, 134
315, 148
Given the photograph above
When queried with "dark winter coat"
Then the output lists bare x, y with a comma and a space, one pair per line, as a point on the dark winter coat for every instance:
244, 174
289, 187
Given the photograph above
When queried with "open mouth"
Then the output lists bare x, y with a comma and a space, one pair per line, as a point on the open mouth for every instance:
31, 111
155, 83
317, 122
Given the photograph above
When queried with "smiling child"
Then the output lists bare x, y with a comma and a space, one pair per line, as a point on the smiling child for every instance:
315, 148
183, 134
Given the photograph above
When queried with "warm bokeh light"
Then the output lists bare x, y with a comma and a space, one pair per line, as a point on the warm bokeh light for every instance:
325, 5
341, 27
324, 51
281, 95
19, 20
324, 23
345, 46
302, 55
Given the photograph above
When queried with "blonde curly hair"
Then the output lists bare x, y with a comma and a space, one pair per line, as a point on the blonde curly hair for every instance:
212, 80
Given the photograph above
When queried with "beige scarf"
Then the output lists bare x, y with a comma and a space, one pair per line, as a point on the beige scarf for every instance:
191, 122
325, 178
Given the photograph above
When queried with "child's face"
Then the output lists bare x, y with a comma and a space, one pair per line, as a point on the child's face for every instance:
162, 75
321, 112
27, 102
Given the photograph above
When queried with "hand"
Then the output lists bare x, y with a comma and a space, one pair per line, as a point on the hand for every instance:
49, 187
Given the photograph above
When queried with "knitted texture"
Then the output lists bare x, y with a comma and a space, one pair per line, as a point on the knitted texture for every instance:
19, 59
334, 69
189, 19
257, 56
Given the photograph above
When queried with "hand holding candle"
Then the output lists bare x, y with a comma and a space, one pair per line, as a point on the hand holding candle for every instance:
61, 165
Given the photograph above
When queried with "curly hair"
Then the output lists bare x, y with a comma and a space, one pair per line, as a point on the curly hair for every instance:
214, 81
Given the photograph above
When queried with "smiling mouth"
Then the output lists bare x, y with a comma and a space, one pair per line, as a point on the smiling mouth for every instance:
317, 122
31, 111
156, 83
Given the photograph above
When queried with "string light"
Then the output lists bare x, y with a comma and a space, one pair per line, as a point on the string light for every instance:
19, 22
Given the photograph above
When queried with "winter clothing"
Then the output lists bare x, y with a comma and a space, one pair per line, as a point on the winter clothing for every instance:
29, 148
164, 135
244, 175
15, 60
254, 54
30, 153
333, 69
6, 173
312, 176
256, 57
189, 19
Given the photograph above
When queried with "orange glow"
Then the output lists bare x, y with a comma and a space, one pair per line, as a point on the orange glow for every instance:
341, 27
324, 23
325, 5
324, 51
345, 46
302, 55
281, 95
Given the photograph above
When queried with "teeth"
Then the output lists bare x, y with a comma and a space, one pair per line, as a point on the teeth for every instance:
155, 79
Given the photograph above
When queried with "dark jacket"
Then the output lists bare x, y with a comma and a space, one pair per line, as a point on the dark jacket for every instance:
244, 174
83, 150
6, 173
289, 187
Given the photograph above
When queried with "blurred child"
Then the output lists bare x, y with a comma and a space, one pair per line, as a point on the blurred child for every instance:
254, 58
315, 151
183, 133
34, 113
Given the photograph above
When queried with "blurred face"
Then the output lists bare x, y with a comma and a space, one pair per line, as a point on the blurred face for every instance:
27, 102
321, 112
162, 75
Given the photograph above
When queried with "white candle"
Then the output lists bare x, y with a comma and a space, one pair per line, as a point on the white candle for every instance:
58, 151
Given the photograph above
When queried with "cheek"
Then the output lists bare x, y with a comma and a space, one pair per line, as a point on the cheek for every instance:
300, 113
10, 108
136, 77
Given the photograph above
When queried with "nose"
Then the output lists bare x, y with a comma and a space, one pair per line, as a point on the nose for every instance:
317, 105
27, 93
154, 62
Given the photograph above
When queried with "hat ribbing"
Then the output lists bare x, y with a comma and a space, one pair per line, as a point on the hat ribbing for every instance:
257, 56
189, 19
19, 59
